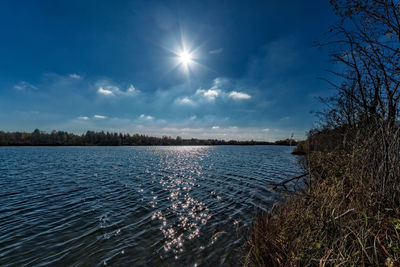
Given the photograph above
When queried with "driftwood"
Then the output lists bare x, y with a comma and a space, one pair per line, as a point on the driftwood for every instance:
283, 183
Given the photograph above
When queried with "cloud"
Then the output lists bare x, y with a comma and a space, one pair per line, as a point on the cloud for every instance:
215, 90
131, 89
209, 94
99, 117
105, 92
219, 89
74, 76
215, 127
106, 89
216, 51
286, 118
144, 117
239, 95
192, 118
23, 86
185, 101
85, 118
265, 130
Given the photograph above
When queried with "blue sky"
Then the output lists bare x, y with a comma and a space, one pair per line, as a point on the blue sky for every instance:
116, 66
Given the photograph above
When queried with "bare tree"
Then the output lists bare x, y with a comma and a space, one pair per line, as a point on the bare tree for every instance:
362, 118
366, 44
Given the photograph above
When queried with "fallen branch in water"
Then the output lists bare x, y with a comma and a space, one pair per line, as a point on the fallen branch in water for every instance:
283, 183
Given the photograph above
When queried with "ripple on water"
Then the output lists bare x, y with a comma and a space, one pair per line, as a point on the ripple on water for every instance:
133, 205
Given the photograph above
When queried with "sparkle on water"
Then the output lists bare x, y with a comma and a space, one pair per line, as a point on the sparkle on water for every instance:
133, 205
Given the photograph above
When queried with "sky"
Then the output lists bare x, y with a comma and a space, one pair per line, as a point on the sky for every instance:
204, 69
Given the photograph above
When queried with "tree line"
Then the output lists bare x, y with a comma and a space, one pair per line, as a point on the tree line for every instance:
91, 138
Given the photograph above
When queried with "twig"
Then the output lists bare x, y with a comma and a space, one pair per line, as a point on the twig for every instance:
288, 180
337, 217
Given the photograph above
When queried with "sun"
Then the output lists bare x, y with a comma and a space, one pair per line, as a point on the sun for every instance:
185, 58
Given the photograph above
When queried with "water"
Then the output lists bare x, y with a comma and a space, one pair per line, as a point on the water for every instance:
134, 206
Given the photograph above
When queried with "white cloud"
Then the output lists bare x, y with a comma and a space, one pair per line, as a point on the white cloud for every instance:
111, 90
131, 89
221, 82
285, 118
216, 51
218, 90
266, 130
99, 117
74, 76
22, 86
215, 127
105, 92
185, 101
209, 94
148, 117
239, 95
85, 118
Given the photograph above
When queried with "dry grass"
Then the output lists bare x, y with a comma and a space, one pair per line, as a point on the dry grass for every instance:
349, 215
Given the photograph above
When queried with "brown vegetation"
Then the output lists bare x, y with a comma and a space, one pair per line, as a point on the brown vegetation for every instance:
349, 213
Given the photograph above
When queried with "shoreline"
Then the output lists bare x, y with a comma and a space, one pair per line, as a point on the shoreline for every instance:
347, 214
91, 138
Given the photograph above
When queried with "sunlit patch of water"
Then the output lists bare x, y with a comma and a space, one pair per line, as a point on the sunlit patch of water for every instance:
135, 206
184, 215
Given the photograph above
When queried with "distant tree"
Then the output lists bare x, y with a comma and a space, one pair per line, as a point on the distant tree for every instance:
178, 140
3, 140
90, 138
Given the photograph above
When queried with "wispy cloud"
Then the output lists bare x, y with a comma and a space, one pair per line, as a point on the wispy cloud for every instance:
286, 118
99, 117
185, 101
216, 51
146, 117
131, 89
239, 95
215, 90
74, 76
219, 89
85, 118
106, 89
209, 94
105, 92
23, 86
215, 127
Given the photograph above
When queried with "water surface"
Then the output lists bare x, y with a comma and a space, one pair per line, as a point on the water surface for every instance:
141, 206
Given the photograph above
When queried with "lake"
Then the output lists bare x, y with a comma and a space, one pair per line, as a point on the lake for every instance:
134, 206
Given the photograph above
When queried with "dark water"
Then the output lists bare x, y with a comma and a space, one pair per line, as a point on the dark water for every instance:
133, 206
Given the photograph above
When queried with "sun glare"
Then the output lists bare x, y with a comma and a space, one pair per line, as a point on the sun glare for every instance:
185, 58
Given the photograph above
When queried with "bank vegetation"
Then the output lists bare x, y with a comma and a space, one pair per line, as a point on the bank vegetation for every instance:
348, 212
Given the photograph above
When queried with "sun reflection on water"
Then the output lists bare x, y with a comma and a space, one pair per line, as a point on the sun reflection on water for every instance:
134, 206
182, 219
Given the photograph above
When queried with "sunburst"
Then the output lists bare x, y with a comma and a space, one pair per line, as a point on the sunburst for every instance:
185, 58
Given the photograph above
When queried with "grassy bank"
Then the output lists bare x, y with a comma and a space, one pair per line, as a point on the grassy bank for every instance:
349, 212
348, 215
